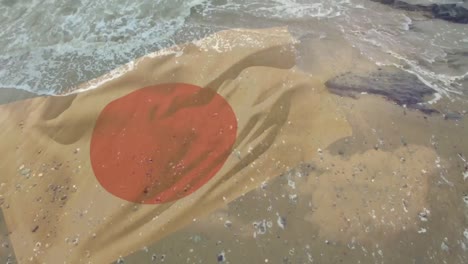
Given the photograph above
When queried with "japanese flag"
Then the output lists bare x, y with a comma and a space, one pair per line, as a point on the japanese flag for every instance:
138, 153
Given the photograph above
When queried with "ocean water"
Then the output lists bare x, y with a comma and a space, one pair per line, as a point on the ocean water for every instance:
49, 46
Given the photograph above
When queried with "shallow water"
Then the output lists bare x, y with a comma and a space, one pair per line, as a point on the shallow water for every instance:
74, 42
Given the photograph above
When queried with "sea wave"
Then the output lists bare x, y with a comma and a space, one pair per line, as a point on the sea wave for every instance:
50, 46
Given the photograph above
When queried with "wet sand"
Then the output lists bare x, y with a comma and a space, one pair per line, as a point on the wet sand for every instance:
392, 192
7, 254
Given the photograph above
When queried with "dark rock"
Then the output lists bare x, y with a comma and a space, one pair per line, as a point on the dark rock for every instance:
453, 12
396, 85
221, 257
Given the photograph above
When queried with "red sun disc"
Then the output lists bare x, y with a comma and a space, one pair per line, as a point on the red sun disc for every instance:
161, 143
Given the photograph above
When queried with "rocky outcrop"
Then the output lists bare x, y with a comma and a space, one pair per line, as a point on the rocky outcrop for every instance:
453, 12
396, 85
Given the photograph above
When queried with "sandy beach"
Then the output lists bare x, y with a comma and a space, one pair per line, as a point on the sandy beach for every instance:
349, 136
393, 191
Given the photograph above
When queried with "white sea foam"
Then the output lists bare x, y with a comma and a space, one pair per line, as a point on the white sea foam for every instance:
386, 37
49, 46
281, 9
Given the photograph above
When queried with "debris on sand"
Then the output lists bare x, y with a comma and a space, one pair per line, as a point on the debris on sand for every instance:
281, 221
228, 224
221, 257
424, 215
260, 227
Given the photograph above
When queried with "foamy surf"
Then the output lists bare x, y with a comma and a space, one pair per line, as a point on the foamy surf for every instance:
49, 46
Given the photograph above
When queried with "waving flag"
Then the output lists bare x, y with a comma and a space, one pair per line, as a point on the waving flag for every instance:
136, 154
